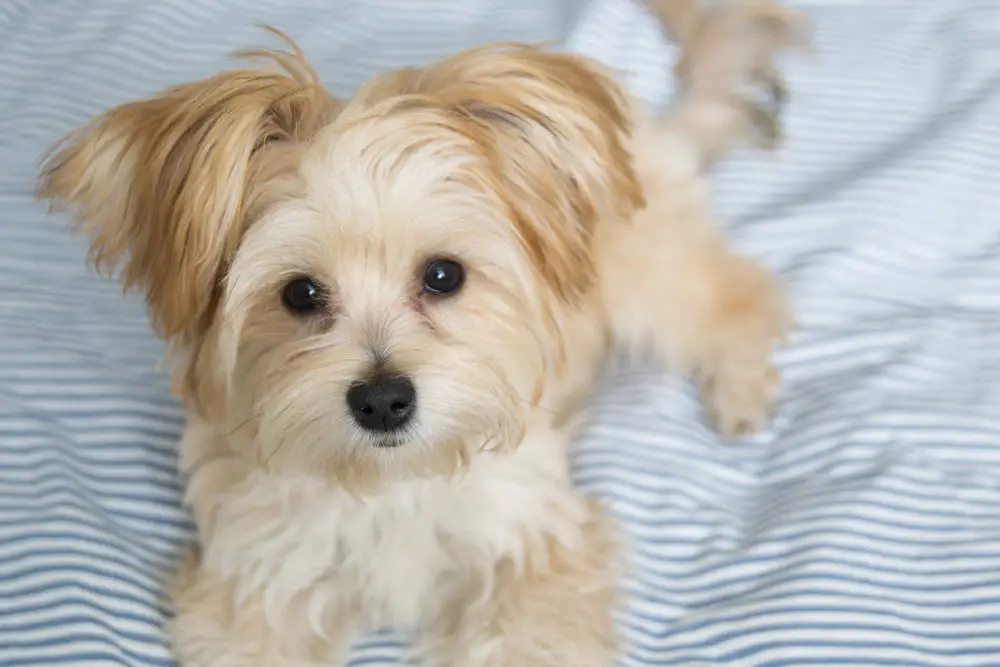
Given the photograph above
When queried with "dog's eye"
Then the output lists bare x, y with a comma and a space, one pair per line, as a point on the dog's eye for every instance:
443, 276
302, 296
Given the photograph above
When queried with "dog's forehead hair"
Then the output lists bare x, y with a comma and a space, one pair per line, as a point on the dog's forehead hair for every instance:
387, 193
393, 166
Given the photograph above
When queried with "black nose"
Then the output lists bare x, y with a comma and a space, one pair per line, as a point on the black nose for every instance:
383, 402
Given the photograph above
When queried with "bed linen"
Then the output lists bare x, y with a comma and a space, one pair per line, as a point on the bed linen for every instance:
862, 527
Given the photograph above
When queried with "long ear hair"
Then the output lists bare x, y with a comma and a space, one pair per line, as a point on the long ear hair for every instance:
556, 132
161, 185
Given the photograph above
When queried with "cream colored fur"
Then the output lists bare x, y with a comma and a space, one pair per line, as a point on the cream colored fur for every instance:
581, 223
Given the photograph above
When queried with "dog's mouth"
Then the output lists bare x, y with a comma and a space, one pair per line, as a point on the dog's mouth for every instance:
389, 440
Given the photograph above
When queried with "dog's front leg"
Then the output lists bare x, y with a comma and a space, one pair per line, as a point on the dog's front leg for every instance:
550, 608
215, 626
673, 284
671, 281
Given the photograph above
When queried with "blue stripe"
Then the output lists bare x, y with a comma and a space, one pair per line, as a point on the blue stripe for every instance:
28, 658
82, 636
68, 582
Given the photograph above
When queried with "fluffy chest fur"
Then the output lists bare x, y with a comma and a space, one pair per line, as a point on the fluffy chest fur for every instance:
393, 558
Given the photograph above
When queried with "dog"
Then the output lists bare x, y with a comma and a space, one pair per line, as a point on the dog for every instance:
384, 314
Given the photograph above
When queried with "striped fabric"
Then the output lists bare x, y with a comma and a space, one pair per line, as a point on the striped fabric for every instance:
861, 528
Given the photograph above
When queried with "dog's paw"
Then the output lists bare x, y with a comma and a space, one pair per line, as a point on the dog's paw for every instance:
731, 55
740, 401
740, 384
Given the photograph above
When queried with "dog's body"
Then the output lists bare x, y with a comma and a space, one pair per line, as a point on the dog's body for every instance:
467, 240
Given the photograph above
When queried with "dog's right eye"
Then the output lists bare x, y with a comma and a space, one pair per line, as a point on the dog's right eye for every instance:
302, 296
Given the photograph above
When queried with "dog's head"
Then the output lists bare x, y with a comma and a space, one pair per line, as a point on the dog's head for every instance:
369, 288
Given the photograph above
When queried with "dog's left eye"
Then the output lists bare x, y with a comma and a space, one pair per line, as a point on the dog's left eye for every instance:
302, 296
443, 276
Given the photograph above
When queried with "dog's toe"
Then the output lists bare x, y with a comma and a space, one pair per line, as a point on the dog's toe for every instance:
763, 98
741, 403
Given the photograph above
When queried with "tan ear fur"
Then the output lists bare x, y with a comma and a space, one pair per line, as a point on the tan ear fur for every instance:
161, 184
555, 130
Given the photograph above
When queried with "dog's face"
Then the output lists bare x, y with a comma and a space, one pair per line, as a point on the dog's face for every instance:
385, 308
371, 289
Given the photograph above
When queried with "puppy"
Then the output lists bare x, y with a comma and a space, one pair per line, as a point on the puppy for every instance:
384, 313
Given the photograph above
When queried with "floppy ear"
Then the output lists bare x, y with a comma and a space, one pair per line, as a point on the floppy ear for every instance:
161, 185
556, 131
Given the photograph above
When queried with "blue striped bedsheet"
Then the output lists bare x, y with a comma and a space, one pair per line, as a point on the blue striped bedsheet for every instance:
861, 528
